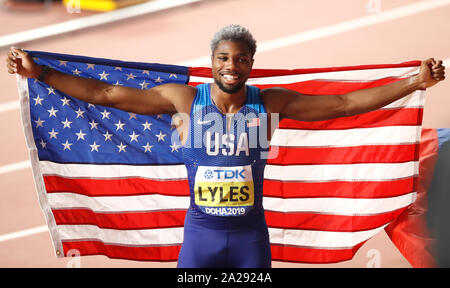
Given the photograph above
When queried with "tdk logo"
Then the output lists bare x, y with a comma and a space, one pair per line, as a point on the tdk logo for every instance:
225, 174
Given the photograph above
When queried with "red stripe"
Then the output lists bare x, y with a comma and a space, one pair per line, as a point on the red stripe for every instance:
377, 118
122, 220
321, 222
344, 189
342, 155
154, 253
311, 255
206, 72
116, 187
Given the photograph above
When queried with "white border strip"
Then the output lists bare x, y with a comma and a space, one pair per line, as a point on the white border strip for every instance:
91, 21
24, 98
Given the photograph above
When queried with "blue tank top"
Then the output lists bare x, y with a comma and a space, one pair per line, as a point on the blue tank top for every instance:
225, 156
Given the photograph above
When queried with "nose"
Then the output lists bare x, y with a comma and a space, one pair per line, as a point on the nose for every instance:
231, 64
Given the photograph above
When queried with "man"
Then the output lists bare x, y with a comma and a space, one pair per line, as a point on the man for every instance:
225, 224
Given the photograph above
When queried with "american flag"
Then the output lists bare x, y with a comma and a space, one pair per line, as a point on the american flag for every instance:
113, 183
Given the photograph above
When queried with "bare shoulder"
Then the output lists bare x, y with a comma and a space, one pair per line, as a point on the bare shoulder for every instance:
180, 95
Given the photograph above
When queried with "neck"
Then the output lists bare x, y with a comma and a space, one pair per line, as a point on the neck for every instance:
228, 103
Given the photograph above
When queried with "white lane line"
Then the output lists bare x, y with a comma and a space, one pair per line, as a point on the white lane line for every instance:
9, 106
91, 21
15, 167
23, 233
357, 23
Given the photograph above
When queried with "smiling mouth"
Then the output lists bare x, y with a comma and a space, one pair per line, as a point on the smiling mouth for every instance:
230, 78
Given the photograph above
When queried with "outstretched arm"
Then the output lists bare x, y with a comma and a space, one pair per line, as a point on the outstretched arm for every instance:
293, 105
157, 100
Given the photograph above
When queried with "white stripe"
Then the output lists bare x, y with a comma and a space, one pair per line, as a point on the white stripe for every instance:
389, 135
91, 21
339, 206
167, 236
320, 239
342, 172
14, 167
159, 172
23, 233
350, 75
117, 203
144, 237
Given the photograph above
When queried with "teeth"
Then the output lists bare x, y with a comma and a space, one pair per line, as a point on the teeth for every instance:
230, 77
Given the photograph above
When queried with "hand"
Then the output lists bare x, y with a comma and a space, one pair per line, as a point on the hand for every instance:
18, 61
431, 72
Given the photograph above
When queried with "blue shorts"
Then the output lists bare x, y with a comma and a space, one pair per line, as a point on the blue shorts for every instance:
204, 247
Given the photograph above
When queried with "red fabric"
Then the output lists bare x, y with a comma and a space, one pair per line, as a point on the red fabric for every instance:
409, 231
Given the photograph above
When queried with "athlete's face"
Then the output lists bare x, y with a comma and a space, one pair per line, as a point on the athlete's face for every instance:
231, 65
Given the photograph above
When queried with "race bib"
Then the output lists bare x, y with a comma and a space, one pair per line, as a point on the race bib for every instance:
224, 191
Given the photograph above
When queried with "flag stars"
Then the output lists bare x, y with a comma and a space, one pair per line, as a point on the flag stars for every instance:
76, 72
119, 125
67, 145
39, 122
53, 134
122, 147
90, 66
51, 90
147, 148
80, 135
80, 113
144, 85
93, 125
147, 125
38, 100
94, 147
65, 101
161, 136
174, 147
132, 116
158, 80
62, 63
43, 144
105, 114
130, 76
52, 112
107, 136
103, 76
66, 123
134, 137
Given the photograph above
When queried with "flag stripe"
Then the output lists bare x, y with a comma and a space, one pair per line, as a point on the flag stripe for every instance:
155, 172
346, 189
148, 253
377, 118
320, 239
64, 200
325, 222
392, 135
141, 237
342, 155
204, 75
122, 220
114, 187
311, 255
342, 172
339, 206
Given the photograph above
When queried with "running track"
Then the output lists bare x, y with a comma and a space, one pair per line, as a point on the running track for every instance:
343, 33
